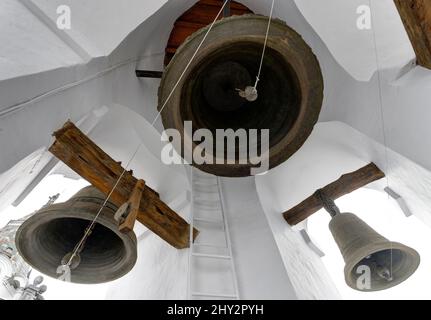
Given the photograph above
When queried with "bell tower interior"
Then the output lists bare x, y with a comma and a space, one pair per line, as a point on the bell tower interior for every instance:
215, 150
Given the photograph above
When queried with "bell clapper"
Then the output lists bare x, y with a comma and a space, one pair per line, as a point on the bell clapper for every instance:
381, 270
384, 273
72, 259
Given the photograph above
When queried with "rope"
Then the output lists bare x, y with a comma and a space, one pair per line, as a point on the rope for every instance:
64, 269
190, 62
382, 114
264, 46
91, 226
250, 93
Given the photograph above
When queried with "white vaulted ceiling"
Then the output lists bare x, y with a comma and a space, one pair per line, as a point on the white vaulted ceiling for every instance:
335, 21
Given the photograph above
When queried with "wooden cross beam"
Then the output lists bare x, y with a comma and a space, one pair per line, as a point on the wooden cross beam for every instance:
83, 156
149, 74
127, 214
346, 184
416, 17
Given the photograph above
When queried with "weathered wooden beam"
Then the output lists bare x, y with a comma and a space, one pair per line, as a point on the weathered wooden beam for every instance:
83, 156
149, 74
416, 17
200, 15
346, 184
132, 208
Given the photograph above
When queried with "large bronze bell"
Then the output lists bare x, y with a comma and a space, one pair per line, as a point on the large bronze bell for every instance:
290, 90
372, 262
53, 232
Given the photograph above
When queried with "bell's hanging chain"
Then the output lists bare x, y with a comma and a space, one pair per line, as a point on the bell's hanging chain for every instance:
64, 269
328, 203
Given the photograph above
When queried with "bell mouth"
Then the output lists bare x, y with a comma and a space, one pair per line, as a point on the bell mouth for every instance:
211, 100
388, 267
288, 104
44, 241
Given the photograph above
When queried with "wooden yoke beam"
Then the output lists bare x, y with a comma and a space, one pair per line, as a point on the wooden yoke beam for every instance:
346, 184
83, 156
416, 17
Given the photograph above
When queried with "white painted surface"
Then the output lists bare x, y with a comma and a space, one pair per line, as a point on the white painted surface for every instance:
335, 21
260, 270
406, 110
28, 46
100, 25
13, 181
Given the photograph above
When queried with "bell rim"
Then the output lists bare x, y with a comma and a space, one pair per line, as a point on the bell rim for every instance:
305, 69
367, 250
128, 238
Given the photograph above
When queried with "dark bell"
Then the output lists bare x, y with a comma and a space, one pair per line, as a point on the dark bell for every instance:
290, 90
389, 263
49, 235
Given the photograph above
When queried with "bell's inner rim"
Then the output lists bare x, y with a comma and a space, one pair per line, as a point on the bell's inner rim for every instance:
397, 261
104, 250
277, 107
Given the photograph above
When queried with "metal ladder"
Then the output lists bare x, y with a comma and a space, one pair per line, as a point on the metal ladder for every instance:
212, 273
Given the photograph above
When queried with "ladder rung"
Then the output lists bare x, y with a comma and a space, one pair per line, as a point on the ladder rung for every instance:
207, 201
208, 186
207, 205
220, 295
204, 176
208, 220
204, 208
201, 183
211, 256
208, 246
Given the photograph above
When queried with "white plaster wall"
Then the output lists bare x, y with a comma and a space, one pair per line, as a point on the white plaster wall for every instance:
28, 45
100, 25
260, 270
160, 273
335, 21
13, 181
391, 104
398, 116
